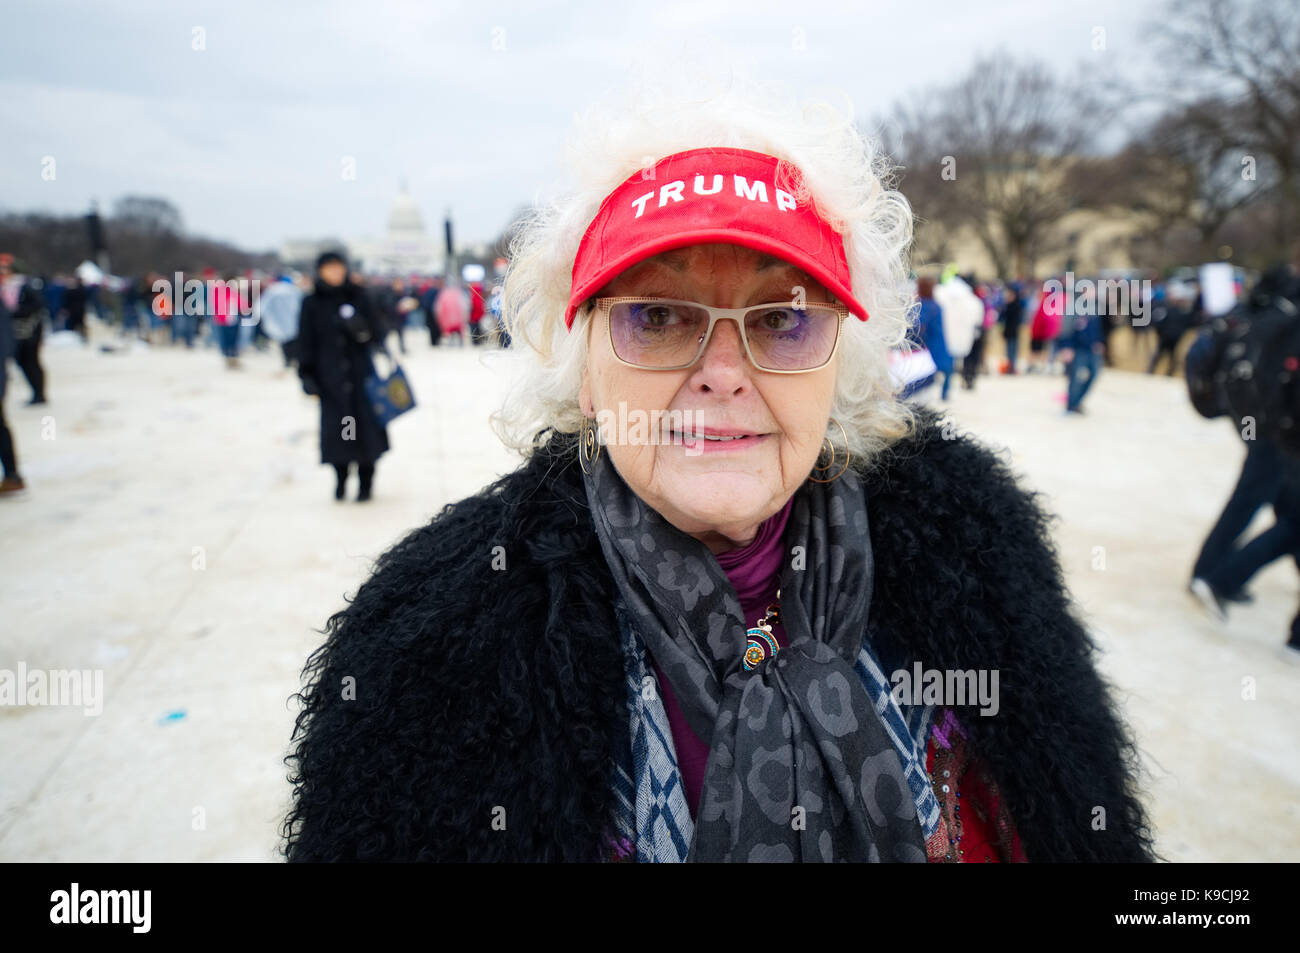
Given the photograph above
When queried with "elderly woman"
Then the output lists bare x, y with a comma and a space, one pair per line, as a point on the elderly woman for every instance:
736, 602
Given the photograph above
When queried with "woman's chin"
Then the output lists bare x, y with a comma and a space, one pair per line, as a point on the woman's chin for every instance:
731, 503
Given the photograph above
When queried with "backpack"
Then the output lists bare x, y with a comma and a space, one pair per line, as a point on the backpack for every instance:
1201, 368
1247, 365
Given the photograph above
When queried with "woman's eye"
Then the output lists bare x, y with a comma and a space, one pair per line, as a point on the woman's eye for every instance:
658, 315
778, 319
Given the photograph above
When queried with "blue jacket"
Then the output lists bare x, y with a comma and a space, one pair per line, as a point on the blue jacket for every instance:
929, 322
1079, 331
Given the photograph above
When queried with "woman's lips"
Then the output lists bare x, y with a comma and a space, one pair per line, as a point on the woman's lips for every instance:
701, 443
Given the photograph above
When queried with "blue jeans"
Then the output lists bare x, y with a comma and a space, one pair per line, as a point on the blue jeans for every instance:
1082, 371
1232, 574
1258, 485
229, 335
183, 328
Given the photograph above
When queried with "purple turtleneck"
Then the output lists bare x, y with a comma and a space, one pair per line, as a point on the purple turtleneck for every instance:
755, 573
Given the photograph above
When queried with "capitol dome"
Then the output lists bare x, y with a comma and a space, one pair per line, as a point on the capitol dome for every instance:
405, 249
404, 216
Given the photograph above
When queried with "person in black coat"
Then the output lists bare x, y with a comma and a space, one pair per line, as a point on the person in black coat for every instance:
514, 695
29, 329
1172, 322
521, 661
337, 330
1013, 313
13, 481
74, 302
428, 301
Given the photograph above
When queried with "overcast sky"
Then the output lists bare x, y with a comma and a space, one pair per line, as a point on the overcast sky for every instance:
247, 135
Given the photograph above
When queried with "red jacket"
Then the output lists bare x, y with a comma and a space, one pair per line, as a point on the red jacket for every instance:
476, 306
1047, 319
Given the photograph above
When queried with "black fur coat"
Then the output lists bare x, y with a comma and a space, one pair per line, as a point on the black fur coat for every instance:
479, 668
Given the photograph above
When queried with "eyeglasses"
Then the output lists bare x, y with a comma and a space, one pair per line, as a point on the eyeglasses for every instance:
664, 334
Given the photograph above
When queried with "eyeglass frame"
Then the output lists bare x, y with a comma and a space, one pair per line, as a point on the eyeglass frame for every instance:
721, 314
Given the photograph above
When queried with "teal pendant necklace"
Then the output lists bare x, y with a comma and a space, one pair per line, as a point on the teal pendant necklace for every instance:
762, 643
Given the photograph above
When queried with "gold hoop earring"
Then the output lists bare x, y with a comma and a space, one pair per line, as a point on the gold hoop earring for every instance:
588, 445
830, 446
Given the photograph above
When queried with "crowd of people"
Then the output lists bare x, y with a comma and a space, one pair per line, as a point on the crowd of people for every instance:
957, 316
233, 312
329, 328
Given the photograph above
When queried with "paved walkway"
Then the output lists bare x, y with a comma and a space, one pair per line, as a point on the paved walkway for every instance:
180, 536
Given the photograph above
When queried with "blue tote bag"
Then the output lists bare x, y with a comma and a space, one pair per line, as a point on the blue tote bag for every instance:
390, 396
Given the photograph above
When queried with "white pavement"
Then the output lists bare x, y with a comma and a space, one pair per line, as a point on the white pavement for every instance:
180, 535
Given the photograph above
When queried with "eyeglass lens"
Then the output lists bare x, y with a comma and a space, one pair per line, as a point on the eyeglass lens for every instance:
668, 334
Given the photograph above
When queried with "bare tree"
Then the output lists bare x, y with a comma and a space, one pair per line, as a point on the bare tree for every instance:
44, 243
908, 134
993, 153
1244, 55
1183, 174
56, 244
148, 214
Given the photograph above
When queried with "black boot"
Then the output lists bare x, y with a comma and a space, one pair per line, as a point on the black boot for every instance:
366, 472
341, 472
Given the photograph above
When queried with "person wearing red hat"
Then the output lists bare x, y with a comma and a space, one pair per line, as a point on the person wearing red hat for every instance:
686, 627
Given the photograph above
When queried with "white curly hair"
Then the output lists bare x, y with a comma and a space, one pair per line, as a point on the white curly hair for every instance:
847, 178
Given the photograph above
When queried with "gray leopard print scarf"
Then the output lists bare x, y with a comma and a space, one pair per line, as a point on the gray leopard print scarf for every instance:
800, 767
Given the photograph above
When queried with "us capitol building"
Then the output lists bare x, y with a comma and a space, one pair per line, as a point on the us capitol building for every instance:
406, 248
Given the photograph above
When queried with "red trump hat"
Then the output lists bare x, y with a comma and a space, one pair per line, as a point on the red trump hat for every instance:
710, 195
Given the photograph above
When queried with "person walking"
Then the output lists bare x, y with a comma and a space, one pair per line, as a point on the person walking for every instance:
1258, 484
429, 304
477, 306
452, 313
24, 297
990, 299
337, 329
180, 324
280, 305
1045, 326
226, 310
929, 325
1013, 314
74, 303
1225, 581
494, 310
963, 314
397, 310
13, 481
1172, 319
1080, 346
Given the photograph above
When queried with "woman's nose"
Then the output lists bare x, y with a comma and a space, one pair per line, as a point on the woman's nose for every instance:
724, 366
